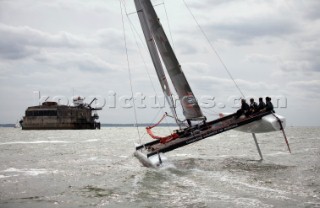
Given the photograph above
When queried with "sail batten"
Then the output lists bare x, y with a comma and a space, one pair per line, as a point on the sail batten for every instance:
152, 27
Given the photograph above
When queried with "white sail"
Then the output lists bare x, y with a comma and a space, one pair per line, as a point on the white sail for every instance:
154, 32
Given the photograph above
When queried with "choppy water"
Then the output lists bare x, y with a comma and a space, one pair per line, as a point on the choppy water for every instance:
96, 169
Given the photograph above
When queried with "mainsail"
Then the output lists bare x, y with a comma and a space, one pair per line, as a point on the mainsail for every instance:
158, 41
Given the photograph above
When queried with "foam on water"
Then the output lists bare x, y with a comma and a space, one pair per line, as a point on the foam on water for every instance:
153, 161
30, 172
36, 142
251, 185
91, 140
4, 176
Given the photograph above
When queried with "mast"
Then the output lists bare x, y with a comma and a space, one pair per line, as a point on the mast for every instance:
156, 61
154, 32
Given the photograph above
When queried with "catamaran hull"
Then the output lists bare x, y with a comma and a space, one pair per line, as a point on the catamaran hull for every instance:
266, 124
150, 162
260, 122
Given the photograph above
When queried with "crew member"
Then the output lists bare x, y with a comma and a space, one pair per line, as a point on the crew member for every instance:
245, 109
261, 104
269, 105
253, 106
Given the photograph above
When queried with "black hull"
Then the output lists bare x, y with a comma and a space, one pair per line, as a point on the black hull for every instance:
197, 133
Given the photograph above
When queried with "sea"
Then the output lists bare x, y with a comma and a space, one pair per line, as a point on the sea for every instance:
96, 168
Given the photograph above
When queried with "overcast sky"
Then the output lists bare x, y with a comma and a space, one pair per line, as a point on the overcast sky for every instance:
76, 47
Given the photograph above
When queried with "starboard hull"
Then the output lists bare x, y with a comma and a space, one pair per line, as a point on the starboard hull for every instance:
267, 123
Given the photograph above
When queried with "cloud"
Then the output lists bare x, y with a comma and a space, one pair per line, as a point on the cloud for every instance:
305, 95
81, 61
23, 41
109, 38
226, 86
311, 85
12, 50
26, 35
261, 58
297, 66
245, 21
245, 30
302, 59
311, 9
184, 47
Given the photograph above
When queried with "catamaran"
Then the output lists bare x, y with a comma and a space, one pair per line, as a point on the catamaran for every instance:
161, 52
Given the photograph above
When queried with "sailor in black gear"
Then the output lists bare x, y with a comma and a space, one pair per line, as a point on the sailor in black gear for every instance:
261, 104
245, 109
269, 105
253, 106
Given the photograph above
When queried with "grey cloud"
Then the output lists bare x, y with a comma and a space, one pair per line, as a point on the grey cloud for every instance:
307, 90
20, 42
109, 38
185, 47
313, 85
272, 19
304, 59
23, 41
223, 85
310, 55
83, 62
9, 50
311, 9
301, 66
208, 4
261, 58
28, 36
245, 30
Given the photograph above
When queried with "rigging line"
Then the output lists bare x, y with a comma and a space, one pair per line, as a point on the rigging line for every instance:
131, 24
143, 43
164, 6
211, 45
155, 5
165, 9
140, 53
129, 72
156, 116
146, 67
133, 30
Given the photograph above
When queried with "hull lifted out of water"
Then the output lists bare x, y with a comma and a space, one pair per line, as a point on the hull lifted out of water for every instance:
208, 129
162, 54
266, 124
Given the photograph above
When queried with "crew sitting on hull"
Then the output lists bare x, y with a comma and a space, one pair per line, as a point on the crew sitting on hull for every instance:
261, 104
253, 106
269, 105
245, 109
